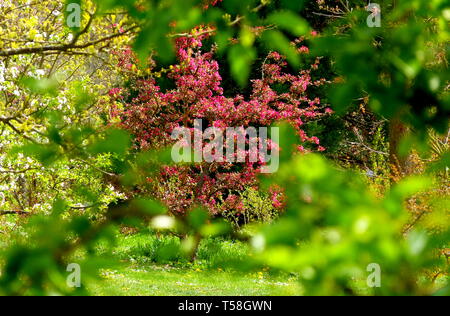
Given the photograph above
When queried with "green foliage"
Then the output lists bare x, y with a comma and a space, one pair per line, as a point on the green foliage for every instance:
334, 229
115, 142
394, 64
257, 207
233, 18
157, 250
36, 257
240, 58
333, 226
41, 86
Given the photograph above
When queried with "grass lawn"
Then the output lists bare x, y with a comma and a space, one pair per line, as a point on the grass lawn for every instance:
139, 280
156, 266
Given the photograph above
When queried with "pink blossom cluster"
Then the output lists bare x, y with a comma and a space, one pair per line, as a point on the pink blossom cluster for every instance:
208, 3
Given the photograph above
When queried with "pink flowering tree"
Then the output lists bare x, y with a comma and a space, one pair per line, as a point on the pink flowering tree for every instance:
151, 115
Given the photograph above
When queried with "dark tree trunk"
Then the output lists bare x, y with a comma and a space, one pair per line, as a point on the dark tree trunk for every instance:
397, 131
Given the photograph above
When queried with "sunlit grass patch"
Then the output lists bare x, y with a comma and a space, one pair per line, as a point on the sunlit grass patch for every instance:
150, 280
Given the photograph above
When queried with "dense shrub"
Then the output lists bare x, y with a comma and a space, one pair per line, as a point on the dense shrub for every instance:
151, 113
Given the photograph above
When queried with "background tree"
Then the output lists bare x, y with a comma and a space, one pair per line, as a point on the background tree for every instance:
51, 81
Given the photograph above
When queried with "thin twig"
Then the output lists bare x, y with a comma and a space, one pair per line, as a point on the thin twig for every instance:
329, 15
86, 207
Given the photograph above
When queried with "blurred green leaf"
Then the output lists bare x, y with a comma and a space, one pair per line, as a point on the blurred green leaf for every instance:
197, 218
277, 41
115, 141
241, 60
289, 21
47, 86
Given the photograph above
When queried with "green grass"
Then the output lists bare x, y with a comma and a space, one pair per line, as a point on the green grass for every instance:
158, 266
153, 280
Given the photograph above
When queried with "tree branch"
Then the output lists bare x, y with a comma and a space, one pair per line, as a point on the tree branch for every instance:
61, 48
329, 15
17, 171
2, 213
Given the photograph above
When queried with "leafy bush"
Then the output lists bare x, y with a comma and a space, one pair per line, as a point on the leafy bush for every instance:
165, 249
254, 206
